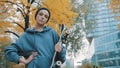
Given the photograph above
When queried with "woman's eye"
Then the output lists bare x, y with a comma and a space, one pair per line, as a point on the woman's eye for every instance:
46, 16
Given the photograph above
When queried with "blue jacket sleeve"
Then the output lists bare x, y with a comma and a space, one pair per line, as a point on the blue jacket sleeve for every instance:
11, 52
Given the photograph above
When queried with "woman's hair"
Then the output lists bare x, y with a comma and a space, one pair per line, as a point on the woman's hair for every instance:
42, 9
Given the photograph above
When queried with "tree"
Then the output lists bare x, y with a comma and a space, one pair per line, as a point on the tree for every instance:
3, 37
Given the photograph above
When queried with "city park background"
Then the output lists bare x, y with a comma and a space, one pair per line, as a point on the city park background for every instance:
18, 15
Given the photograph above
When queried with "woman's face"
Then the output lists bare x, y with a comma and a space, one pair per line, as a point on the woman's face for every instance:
42, 17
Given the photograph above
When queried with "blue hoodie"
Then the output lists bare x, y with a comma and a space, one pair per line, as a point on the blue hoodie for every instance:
42, 42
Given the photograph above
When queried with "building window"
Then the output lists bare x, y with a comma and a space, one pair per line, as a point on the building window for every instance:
108, 63
119, 35
119, 62
118, 44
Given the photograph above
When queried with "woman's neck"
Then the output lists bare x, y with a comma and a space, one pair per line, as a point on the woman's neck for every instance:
39, 27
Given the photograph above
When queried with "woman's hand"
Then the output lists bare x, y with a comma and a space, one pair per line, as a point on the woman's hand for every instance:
58, 47
29, 59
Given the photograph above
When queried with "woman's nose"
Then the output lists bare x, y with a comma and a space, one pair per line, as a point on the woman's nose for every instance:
42, 17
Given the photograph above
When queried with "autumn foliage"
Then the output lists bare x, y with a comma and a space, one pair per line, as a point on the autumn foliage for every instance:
114, 6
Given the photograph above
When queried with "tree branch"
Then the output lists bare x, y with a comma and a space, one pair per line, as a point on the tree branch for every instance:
12, 33
19, 25
22, 12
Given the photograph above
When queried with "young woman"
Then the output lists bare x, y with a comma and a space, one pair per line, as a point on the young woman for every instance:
42, 40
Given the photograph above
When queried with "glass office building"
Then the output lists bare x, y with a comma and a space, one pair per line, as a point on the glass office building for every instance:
106, 36
107, 50
105, 22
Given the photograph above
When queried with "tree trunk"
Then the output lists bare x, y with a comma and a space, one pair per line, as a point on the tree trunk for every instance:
26, 22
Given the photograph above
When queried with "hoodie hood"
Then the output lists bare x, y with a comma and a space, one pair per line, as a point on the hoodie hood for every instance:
32, 30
